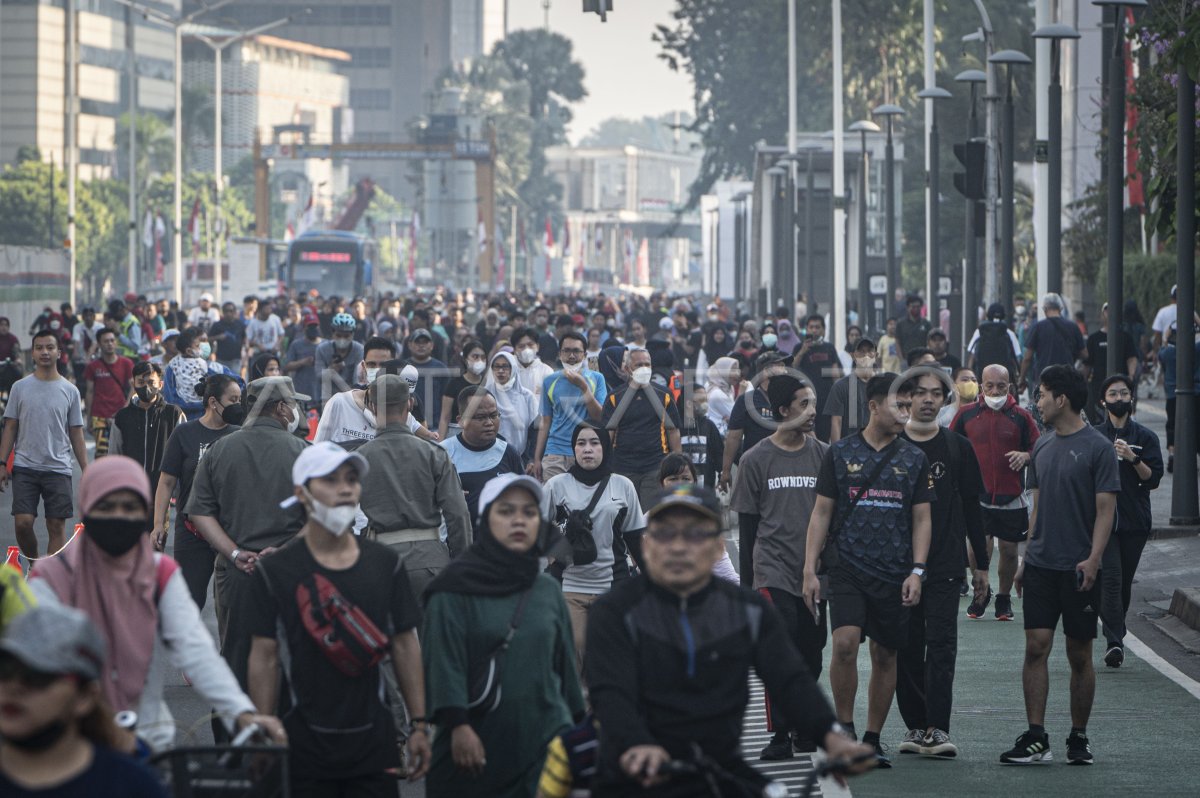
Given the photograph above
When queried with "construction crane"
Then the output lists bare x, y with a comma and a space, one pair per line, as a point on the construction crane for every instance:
364, 192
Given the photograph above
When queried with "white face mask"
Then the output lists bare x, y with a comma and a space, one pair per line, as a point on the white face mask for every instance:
336, 518
371, 375
865, 362
573, 368
996, 402
641, 375
526, 356
295, 422
477, 367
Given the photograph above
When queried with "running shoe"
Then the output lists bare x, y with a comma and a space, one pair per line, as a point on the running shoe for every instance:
779, 748
1078, 750
1029, 749
1114, 657
911, 744
1003, 607
937, 743
964, 589
884, 761
975, 609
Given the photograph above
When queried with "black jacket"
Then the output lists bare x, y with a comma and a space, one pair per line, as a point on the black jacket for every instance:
668, 671
1133, 502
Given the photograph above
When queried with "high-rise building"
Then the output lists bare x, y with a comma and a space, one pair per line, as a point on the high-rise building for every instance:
33, 77
398, 49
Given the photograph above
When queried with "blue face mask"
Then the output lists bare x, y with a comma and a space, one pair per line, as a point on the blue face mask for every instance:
205, 350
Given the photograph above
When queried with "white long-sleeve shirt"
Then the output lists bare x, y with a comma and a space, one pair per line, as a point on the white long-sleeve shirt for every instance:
183, 643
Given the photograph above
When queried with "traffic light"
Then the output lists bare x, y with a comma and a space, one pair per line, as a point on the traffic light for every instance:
601, 7
972, 156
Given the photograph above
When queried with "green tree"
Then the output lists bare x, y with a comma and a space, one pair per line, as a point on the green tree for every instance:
650, 132
154, 145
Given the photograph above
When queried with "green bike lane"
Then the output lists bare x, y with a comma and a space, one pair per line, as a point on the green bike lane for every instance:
1141, 727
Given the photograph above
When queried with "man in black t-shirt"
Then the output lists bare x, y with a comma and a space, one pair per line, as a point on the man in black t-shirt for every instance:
341, 737
1097, 365
940, 347
643, 421
874, 491
925, 666
819, 361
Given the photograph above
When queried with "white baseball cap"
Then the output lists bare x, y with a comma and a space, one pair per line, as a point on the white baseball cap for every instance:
319, 460
206, 297
665, 323
169, 334
502, 482
410, 375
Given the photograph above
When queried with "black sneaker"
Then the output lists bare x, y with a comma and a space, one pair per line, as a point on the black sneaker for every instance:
802, 745
884, 761
1003, 607
1029, 749
964, 589
938, 744
779, 748
976, 608
1114, 657
1078, 750
911, 744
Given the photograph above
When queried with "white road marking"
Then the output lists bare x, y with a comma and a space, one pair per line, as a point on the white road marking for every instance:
1159, 664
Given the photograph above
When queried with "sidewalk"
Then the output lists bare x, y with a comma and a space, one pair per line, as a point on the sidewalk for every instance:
1152, 414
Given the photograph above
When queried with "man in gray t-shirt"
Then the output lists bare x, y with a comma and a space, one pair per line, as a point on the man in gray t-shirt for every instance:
774, 495
1075, 483
44, 421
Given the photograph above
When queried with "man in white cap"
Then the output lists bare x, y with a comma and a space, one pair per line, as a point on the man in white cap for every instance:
343, 605
238, 482
170, 352
204, 315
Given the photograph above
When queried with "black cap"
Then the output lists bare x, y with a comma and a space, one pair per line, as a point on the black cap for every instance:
936, 332
690, 496
995, 312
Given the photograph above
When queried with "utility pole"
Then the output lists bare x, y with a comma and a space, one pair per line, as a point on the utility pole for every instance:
131, 76
72, 142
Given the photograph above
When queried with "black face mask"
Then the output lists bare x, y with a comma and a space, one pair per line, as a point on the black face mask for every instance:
234, 414
114, 536
1119, 409
42, 739
311, 333
146, 394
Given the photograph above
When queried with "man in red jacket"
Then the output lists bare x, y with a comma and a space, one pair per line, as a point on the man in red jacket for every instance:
1003, 434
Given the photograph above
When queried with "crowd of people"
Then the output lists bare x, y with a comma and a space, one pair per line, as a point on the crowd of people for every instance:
467, 537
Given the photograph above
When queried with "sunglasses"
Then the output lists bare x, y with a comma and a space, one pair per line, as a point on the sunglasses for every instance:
12, 669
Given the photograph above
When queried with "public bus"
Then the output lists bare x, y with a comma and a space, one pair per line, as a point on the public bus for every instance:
333, 262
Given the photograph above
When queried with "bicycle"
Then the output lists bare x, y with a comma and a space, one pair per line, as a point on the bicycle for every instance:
246, 768
714, 775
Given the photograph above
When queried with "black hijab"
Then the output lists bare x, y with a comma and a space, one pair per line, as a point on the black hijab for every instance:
611, 359
713, 350
593, 477
488, 568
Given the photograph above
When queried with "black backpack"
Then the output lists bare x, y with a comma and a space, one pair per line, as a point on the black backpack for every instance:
994, 348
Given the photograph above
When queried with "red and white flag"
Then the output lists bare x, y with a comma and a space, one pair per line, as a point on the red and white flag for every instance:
501, 262
483, 239
414, 232
194, 229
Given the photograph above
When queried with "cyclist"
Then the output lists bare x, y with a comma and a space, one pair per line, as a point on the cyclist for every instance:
669, 656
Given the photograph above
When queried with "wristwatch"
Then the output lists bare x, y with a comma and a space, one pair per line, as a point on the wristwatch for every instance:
233, 555
919, 570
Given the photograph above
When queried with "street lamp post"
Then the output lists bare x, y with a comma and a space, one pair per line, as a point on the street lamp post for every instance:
934, 204
1115, 130
217, 44
890, 112
866, 316
810, 262
176, 24
1008, 140
970, 292
1185, 508
1056, 34
780, 223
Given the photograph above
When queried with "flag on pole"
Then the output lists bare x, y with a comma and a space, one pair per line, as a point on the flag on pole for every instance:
548, 244
583, 247
483, 239
501, 262
160, 232
629, 256
414, 231
306, 217
643, 263
193, 229
1135, 190
148, 229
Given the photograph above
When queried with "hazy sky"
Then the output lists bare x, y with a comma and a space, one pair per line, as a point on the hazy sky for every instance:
624, 75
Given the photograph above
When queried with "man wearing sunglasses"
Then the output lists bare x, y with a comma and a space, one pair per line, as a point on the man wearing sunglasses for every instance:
669, 654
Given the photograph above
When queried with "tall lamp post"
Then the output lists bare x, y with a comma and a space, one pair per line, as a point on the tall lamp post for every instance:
1008, 140
780, 227
933, 203
890, 112
176, 24
1115, 130
970, 291
1056, 34
1185, 508
217, 43
866, 316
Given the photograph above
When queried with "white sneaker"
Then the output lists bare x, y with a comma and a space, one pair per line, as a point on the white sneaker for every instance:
911, 744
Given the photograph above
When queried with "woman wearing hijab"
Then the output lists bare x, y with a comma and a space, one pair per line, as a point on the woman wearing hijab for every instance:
723, 386
788, 340
265, 364
517, 405
141, 604
612, 360
716, 345
599, 555
470, 607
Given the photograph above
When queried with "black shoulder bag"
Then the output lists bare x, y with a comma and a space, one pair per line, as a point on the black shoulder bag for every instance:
829, 555
483, 695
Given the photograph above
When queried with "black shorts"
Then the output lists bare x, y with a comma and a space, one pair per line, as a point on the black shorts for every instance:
54, 489
873, 605
1007, 525
1049, 594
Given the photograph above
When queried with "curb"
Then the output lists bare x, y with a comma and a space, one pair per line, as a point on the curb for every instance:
1185, 605
1171, 532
